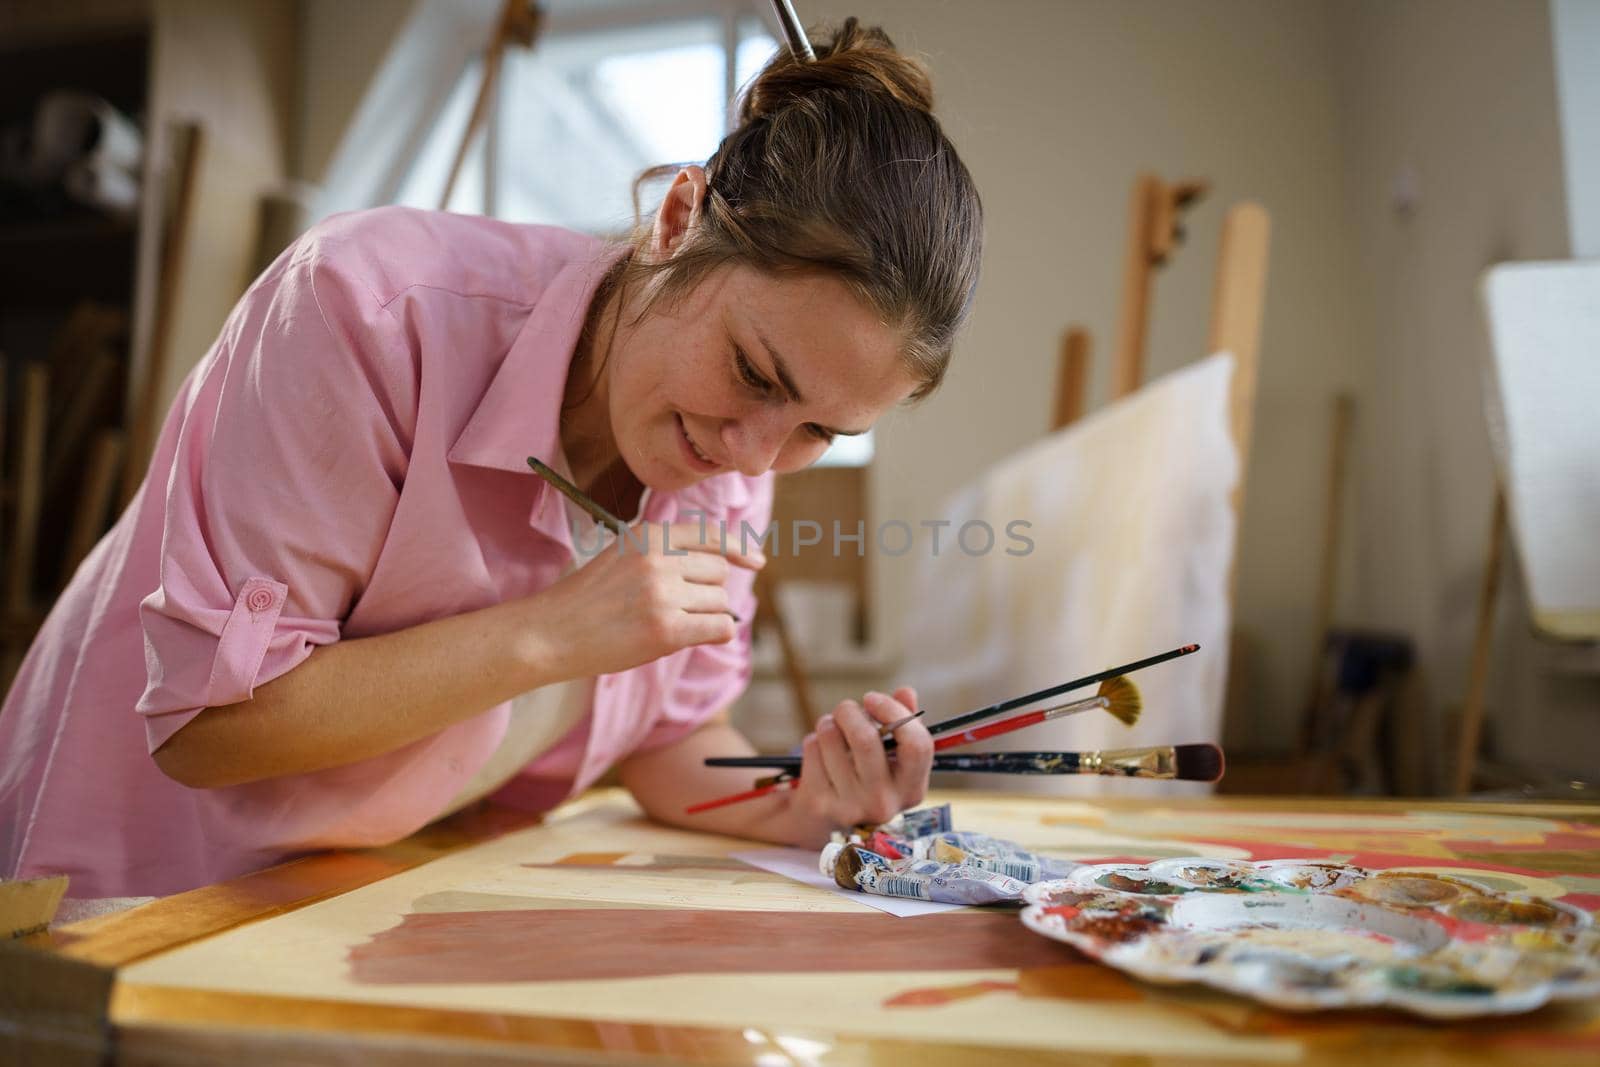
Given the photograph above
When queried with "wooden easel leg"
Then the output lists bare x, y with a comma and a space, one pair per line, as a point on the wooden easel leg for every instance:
1072, 378
1478, 678
794, 668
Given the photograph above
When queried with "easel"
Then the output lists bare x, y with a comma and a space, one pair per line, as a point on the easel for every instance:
520, 24
1238, 297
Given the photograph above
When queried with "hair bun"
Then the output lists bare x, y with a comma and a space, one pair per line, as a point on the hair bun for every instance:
856, 59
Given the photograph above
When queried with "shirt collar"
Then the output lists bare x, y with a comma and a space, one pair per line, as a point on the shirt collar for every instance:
520, 413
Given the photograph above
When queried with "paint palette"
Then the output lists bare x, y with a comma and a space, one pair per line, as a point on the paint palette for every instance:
1308, 935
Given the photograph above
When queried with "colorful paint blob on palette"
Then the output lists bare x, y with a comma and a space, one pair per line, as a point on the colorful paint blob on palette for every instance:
1304, 934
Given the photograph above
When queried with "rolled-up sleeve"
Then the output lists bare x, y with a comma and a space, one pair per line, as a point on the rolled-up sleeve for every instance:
282, 460
714, 676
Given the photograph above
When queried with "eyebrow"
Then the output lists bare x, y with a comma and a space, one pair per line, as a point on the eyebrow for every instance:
790, 389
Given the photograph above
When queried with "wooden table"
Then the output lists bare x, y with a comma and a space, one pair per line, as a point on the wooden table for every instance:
599, 937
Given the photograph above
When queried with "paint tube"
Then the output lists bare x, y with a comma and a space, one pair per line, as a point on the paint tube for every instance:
991, 854
895, 848
855, 867
924, 821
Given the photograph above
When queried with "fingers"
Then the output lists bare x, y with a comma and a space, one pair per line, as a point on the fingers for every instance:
703, 598
860, 730
695, 628
913, 753
859, 782
816, 788
834, 754
697, 538
706, 568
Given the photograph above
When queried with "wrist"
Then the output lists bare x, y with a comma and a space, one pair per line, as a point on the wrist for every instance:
798, 828
537, 650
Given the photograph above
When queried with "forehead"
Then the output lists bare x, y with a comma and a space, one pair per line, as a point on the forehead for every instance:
843, 357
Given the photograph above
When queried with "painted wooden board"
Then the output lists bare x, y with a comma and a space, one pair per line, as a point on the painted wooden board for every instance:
602, 918
1543, 387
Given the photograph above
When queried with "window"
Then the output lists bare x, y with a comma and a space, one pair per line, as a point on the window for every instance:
576, 119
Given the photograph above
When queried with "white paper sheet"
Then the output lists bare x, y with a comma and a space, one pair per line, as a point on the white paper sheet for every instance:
800, 864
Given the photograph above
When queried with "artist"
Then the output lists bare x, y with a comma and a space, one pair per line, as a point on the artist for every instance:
342, 606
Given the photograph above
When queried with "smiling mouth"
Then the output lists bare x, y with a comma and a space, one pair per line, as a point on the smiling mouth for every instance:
693, 449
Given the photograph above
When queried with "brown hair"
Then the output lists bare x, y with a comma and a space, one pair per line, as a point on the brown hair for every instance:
838, 165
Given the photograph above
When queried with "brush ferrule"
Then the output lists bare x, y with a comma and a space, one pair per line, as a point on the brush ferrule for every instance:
1159, 762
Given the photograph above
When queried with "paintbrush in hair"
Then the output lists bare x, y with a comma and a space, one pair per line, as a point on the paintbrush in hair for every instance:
582, 499
1117, 695
1189, 763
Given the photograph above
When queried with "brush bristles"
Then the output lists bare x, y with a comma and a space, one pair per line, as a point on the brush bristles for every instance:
1198, 763
1124, 699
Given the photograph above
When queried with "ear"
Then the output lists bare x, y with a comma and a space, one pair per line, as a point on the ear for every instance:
679, 212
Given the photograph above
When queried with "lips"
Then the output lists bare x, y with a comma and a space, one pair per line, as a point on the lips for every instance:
697, 458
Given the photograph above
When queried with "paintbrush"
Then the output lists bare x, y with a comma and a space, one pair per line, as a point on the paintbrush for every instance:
968, 718
582, 499
1117, 695
1190, 763
579, 497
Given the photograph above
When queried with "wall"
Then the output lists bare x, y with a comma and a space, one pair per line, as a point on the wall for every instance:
1459, 95
342, 45
230, 67
1315, 109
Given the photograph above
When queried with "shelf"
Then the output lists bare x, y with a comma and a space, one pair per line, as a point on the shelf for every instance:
62, 261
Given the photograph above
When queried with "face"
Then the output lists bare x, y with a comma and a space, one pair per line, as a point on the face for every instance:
749, 373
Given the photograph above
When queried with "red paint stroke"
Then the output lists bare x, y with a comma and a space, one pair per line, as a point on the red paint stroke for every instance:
596, 943
1463, 929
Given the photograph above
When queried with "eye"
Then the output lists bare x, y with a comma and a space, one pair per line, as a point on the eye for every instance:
747, 374
825, 436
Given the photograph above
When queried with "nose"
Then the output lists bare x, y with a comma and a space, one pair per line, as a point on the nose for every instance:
754, 441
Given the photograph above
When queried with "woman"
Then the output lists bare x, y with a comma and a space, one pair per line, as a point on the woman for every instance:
341, 605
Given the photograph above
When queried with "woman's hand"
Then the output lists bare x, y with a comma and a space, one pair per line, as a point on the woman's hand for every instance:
846, 778
657, 590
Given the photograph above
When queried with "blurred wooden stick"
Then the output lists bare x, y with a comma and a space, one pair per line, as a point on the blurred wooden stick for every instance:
187, 140
1072, 378
1154, 231
519, 23
29, 491
794, 669
1482, 645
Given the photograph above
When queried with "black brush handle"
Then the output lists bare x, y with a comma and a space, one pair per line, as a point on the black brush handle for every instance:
1011, 762
782, 763
996, 762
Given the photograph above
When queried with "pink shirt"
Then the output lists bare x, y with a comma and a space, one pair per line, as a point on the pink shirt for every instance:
349, 459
